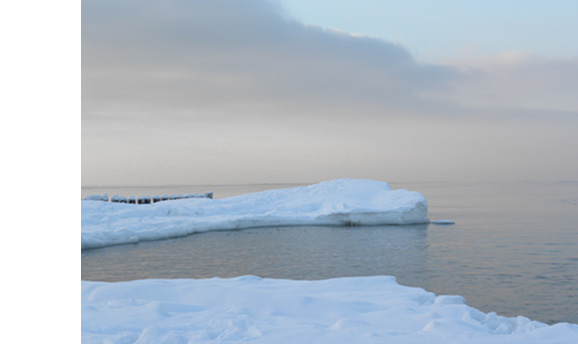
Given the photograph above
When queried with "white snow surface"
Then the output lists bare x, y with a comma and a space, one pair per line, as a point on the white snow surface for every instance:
254, 310
337, 202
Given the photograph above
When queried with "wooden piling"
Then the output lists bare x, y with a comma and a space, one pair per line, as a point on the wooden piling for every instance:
144, 200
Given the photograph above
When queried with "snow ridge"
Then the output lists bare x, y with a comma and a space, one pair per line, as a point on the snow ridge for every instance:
344, 202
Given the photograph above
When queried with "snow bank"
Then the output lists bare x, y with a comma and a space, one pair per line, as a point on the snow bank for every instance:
338, 202
251, 309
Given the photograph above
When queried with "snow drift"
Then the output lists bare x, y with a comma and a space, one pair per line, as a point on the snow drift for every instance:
339, 202
251, 309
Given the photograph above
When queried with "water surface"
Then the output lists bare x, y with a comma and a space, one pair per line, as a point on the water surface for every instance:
513, 249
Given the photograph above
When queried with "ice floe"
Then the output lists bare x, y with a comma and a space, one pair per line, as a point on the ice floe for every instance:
337, 202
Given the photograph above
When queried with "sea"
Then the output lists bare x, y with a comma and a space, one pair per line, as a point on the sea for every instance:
513, 248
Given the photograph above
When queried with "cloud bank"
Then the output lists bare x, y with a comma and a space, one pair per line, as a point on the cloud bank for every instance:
185, 55
234, 91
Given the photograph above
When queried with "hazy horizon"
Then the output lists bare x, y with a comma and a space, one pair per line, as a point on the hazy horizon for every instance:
230, 92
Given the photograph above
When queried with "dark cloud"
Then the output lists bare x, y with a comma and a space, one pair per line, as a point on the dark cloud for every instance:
187, 55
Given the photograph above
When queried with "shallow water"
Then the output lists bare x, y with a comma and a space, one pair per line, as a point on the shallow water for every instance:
513, 249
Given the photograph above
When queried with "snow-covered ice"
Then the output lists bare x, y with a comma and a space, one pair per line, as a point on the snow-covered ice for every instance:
337, 202
250, 309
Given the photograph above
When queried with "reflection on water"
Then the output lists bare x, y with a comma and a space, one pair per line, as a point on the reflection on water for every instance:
513, 250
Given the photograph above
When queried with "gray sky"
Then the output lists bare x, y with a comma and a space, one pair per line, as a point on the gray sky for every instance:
225, 91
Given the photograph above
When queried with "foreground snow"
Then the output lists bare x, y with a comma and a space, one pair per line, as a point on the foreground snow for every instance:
338, 202
255, 310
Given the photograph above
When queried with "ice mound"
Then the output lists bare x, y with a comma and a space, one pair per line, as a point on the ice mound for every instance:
250, 309
338, 202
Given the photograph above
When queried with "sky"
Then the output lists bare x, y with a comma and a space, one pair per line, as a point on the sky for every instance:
446, 30
229, 92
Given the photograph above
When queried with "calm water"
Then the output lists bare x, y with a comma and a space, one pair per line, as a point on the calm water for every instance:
513, 249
